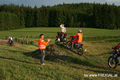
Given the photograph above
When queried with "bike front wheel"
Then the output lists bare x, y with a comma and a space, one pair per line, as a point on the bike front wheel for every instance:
80, 51
112, 62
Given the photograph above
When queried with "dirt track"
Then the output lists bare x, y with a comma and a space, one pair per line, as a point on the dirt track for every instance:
3, 42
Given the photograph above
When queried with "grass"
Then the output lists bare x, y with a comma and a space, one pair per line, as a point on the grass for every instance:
51, 32
15, 64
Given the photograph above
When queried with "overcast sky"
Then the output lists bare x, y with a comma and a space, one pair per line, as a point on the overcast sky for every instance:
39, 3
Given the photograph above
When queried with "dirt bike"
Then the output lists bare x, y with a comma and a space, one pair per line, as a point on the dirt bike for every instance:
10, 42
61, 37
75, 46
114, 59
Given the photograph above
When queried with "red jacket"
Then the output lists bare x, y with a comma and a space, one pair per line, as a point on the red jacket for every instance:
117, 47
79, 37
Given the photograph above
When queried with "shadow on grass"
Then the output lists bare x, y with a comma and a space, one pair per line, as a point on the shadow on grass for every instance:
86, 62
12, 59
64, 59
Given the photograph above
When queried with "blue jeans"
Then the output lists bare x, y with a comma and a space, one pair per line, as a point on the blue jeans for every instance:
77, 45
42, 56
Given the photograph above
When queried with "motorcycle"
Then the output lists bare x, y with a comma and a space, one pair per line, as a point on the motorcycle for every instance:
77, 46
10, 42
61, 37
114, 59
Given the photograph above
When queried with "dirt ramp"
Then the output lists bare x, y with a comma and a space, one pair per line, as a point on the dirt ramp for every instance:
3, 42
51, 51
54, 50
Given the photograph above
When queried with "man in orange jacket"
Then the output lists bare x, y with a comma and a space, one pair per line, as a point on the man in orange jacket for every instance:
42, 46
79, 36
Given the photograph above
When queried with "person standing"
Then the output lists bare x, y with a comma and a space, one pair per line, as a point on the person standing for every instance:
42, 47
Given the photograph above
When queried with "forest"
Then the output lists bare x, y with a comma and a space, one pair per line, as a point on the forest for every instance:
83, 15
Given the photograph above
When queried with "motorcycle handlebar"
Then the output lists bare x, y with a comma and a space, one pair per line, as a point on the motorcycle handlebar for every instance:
113, 47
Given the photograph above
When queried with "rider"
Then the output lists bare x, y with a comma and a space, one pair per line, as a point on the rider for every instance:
42, 46
63, 31
10, 40
117, 48
79, 36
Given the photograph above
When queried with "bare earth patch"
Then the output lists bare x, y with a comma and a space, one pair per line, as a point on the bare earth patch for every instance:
3, 42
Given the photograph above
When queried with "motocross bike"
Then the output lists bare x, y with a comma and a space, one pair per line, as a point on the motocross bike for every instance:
61, 37
114, 59
10, 42
75, 46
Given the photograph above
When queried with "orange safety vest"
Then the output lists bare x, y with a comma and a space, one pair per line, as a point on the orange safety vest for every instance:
42, 44
80, 37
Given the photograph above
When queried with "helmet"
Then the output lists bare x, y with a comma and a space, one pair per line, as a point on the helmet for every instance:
79, 31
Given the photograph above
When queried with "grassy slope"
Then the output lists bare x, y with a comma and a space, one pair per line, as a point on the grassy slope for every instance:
15, 64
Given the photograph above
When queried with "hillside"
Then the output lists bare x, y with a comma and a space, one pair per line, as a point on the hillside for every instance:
18, 62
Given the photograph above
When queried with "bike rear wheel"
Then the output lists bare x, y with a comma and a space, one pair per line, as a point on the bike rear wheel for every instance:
69, 45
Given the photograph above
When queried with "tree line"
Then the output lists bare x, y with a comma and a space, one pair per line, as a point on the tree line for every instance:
88, 15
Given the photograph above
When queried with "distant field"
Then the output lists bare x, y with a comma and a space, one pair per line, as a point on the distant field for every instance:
15, 64
51, 32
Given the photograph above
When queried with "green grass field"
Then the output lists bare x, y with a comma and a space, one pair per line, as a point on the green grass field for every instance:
15, 64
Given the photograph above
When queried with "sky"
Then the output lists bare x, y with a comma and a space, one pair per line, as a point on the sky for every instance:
39, 3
